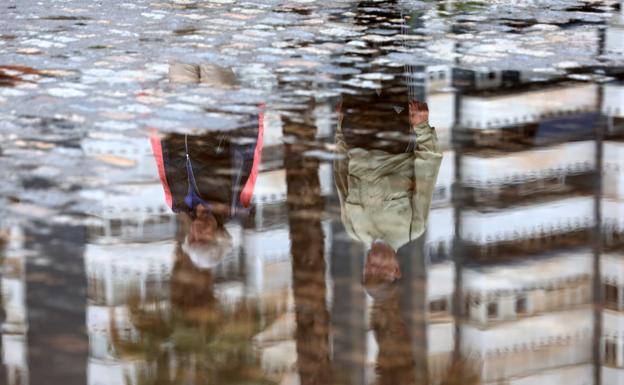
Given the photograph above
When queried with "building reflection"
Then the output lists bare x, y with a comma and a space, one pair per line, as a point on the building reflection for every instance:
15, 325
532, 211
32, 288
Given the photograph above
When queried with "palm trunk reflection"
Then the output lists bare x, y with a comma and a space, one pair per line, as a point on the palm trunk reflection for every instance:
305, 206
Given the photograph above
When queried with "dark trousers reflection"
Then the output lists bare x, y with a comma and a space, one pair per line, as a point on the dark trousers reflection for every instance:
398, 320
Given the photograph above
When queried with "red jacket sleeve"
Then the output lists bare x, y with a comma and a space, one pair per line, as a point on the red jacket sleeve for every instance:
247, 193
158, 156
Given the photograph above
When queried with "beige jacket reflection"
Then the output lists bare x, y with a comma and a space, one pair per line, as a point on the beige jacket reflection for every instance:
386, 196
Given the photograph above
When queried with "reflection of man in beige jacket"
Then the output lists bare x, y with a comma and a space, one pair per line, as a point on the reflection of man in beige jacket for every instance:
385, 194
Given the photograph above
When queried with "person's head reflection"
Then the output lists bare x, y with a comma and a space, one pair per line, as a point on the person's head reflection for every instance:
207, 241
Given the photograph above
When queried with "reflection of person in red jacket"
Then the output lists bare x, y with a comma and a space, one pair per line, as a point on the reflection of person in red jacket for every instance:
209, 178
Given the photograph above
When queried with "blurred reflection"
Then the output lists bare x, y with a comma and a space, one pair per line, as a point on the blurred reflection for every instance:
385, 174
199, 339
196, 334
206, 74
531, 291
194, 337
208, 180
395, 359
389, 161
385, 194
531, 203
13, 290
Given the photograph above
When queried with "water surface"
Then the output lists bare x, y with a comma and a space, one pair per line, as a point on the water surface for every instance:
192, 190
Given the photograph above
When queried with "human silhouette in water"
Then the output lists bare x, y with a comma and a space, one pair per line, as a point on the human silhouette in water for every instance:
385, 189
386, 173
209, 178
389, 156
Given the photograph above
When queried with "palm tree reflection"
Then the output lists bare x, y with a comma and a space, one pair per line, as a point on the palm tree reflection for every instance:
305, 206
192, 338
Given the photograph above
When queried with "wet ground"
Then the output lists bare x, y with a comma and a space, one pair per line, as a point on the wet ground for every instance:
251, 192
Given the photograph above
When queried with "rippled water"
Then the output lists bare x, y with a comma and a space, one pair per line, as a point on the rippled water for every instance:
248, 192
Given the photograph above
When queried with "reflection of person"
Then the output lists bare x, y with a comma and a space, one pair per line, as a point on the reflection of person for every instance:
209, 178
385, 186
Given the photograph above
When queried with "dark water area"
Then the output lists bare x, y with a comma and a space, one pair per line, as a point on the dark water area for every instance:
312, 192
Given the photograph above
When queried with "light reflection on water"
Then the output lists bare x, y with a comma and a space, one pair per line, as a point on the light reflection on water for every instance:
270, 205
